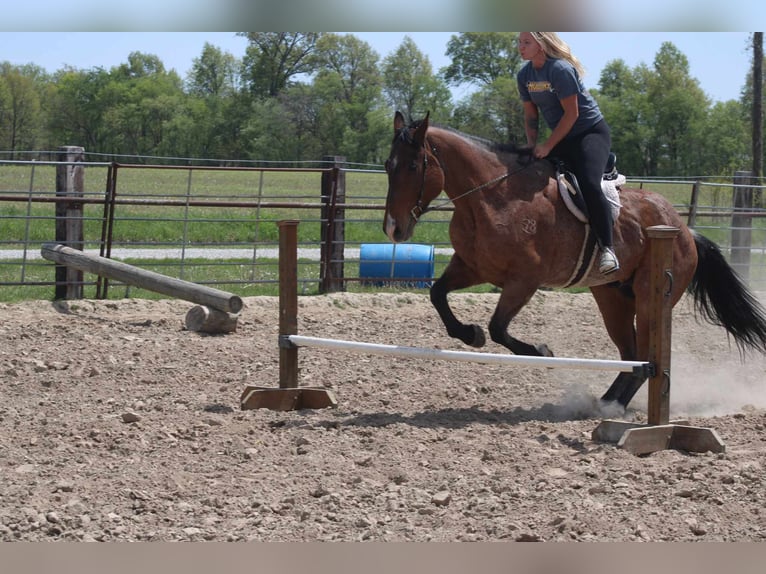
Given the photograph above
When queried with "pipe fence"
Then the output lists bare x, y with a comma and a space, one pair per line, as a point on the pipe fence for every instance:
217, 225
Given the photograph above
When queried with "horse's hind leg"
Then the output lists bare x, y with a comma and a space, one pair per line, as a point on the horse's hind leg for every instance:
618, 309
456, 276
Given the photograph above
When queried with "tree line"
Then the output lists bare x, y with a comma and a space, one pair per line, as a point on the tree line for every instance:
299, 96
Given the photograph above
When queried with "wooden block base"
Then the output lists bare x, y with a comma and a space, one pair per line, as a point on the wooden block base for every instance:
277, 399
644, 439
205, 319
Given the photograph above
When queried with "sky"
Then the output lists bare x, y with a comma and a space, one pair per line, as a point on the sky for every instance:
719, 60
426, 15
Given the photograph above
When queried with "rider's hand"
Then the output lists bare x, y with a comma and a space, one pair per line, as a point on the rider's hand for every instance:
541, 151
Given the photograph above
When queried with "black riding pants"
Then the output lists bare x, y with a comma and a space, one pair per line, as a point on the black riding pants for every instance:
586, 155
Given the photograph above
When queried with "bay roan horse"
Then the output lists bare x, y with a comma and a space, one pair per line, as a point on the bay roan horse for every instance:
511, 229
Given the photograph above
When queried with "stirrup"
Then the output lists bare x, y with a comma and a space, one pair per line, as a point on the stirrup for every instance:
608, 262
610, 170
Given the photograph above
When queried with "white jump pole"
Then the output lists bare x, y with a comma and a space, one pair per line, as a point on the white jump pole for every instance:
468, 356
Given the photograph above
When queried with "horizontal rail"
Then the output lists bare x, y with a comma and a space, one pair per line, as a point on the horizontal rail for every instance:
26, 197
467, 356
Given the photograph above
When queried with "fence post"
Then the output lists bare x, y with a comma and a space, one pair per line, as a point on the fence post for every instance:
741, 224
333, 235
693, 203
70, 183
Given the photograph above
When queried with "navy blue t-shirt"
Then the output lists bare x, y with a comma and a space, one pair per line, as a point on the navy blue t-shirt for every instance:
556, 80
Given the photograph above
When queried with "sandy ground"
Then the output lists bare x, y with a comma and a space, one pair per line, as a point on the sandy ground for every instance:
117, 424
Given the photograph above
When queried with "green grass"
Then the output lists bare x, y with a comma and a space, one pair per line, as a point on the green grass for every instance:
152, 224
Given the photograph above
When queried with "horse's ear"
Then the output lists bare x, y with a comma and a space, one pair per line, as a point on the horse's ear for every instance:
420, 134
398, 121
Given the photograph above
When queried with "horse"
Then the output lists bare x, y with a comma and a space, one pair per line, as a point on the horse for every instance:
510, 228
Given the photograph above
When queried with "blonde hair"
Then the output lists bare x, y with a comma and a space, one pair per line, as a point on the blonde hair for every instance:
555, 47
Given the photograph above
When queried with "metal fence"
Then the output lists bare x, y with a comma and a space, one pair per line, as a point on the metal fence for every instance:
218, 225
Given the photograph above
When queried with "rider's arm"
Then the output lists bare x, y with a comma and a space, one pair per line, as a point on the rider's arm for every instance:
571, 112
531, 122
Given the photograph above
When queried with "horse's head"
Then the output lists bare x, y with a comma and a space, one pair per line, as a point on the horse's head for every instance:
414, 178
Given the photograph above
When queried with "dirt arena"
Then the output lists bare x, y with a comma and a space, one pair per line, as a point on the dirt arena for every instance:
117, 424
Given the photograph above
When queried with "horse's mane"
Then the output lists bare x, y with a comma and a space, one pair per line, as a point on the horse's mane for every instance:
486, 143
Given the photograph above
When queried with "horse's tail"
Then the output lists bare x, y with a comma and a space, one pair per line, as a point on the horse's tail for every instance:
723, 299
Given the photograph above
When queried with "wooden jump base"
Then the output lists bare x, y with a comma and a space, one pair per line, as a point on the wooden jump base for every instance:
220, 311
658, 434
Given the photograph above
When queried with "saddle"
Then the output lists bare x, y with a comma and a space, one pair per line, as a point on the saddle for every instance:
570, 192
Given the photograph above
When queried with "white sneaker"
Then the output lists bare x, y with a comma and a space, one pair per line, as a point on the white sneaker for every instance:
608, 262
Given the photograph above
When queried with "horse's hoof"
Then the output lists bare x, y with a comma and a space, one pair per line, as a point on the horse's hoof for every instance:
544, 350
478, 339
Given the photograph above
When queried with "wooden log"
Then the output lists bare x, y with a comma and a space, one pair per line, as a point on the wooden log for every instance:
150, 280
208, 320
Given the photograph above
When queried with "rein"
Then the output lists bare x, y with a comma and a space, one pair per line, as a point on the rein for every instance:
418, 211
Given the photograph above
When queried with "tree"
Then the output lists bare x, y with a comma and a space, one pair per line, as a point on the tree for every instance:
480, 58
410, 85
347, 92
213, 74
273, 59
215, 103
21, 117
494, 112
724, 140
140, 65
78, 108
490, 61
678, 105
144, 98
622, 97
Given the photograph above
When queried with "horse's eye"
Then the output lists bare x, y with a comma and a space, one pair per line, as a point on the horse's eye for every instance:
387, 165
413, 166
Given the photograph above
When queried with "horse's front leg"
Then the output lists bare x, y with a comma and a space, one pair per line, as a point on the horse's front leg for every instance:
512, 299
457, 275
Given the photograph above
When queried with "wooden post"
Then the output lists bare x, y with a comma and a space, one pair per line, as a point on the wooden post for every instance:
661, 239
333, 233
693, 204
288, 302
288, 396
70, 183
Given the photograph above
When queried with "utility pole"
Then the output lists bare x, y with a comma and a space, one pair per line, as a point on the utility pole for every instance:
757, 114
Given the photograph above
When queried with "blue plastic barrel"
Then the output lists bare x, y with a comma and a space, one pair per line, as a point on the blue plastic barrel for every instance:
380, 262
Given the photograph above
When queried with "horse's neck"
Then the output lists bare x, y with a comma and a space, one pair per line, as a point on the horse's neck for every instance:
466, 164
477, 177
